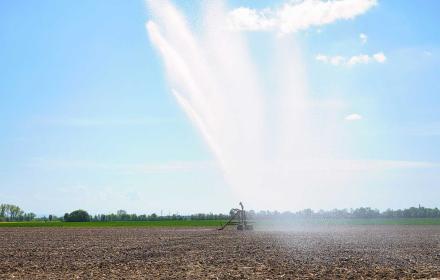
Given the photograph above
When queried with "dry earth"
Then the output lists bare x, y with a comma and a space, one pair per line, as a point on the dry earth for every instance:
346, 252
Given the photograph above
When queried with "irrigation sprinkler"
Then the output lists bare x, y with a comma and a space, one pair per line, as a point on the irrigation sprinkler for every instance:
238, 218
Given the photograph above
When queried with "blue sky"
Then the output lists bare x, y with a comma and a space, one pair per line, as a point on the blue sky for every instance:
87, 119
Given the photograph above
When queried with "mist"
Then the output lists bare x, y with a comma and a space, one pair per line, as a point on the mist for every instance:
277, 147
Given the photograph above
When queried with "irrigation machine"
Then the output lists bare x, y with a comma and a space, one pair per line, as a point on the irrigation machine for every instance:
238, 218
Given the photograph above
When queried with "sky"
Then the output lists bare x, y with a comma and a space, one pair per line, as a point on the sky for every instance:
88, 120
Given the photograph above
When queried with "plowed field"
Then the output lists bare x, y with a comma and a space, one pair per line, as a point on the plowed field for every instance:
347, 252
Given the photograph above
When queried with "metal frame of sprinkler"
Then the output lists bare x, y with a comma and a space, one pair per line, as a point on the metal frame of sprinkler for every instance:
238, 218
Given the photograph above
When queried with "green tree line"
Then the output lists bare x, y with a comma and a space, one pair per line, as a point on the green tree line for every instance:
362, 212
9, 212
122, 215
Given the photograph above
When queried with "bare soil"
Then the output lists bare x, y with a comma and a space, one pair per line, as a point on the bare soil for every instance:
343, 252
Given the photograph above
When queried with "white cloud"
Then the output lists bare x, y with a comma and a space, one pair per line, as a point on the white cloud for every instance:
363, 38
339, 60
380, 57
297, 15
322, 58
353, 117
334, 60
249, 19
359, 59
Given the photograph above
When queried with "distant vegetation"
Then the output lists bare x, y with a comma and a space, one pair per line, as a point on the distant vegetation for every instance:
161, 223
13, 213
77, 216
122, 215
358, 213
9, 212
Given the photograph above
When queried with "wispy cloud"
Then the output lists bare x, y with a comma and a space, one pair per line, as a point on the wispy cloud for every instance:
372, 165
96, 122
129, 168
353, 117
364, 38
359, 59
427, 53
363, 165
339, 60
185, 166
422, 129
379, 57
293, 16
334, 60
